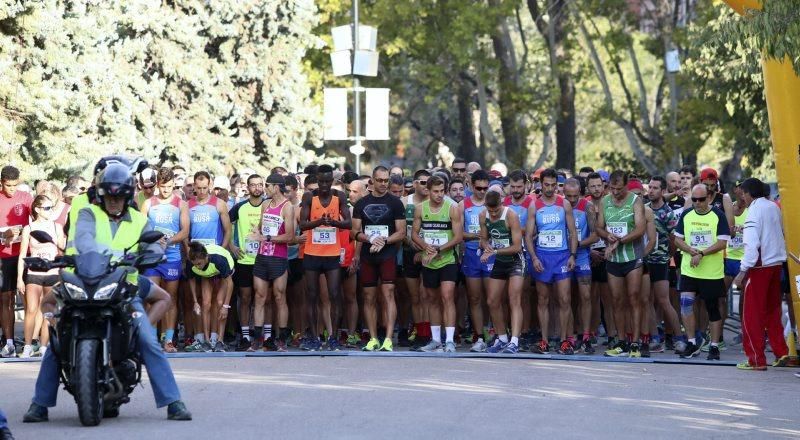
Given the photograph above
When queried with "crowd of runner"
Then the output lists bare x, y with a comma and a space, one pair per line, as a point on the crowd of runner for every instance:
486, 260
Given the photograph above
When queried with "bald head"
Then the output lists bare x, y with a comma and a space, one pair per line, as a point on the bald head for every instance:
673, 181
357, 190
699, 190
472, 167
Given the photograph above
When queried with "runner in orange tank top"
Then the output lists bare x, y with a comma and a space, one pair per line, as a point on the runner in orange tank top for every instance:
322, 213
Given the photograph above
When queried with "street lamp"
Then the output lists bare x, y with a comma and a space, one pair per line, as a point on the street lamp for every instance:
354, 53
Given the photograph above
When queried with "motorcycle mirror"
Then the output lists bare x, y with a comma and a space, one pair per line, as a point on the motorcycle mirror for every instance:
42, 237
150, 237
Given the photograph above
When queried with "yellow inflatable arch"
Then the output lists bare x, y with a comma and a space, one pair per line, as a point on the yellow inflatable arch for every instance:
782, 89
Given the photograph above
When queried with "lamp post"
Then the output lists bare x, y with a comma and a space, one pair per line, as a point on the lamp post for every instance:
354, 53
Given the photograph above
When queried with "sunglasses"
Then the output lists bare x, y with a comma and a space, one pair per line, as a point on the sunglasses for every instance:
481, 188
698, 199
381, 180
422, 182
459, 170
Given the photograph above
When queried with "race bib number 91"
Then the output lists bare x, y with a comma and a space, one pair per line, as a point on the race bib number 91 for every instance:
700, 239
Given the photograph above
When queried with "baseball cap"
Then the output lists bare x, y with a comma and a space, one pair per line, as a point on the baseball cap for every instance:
538, 173
604, 175
495, 174
635, 184
222, 182
708, 173
561, 179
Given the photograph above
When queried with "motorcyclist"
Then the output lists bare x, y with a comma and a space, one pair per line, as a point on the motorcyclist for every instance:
112, 226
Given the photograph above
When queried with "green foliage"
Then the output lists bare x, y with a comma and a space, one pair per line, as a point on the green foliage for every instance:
208, 84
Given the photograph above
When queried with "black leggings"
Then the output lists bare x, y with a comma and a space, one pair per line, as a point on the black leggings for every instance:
333, 279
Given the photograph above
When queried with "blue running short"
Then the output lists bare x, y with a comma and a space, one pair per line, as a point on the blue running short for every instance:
555, 266
472, 266
169, 271
732, 267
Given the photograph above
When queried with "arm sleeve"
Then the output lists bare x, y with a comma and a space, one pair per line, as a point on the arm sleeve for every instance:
723, 230
221, 262
399, 210
85, 232
752, 240
358, 208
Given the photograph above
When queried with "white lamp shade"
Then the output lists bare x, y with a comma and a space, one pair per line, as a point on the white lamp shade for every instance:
366, 63
367, 38
342, 38
341, 63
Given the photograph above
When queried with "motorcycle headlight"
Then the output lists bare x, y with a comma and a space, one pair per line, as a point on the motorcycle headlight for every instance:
75, 292
105, 292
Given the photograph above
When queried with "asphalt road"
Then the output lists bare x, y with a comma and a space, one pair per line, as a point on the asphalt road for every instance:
353, 397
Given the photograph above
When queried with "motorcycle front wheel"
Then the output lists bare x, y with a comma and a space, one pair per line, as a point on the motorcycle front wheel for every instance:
88, 394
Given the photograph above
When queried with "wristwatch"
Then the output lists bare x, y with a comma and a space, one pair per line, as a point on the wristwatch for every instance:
226, 306
269, 238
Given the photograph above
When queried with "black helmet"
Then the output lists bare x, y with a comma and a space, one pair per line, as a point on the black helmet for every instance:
135, 164
115, 180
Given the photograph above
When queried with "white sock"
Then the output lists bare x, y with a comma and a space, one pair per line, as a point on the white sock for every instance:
515, 340
199, 337
692, 340
10, 342
246, 332
214, 337
450, 331
436, 333
267, 331
503, 338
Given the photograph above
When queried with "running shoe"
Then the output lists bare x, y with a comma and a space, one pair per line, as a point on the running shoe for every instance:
783, 361
219, 347
680, 347
566, 348
620, 349
419, 343
797, 375
722, 346
194, 347
412, 337
449, 347
36, 345
297, 340
610, 342
669, 343
169, 347
746, 366
511, 348
586, 346
656, 347
280, 346
372, 345
644, 349
243, 345
402, 338
541, 348
691, 351
365, 337
353, 341
713, 354
706, 346
27, 352
207, 347
343, 338
635, 351
333, 344
497, 346
387, 345
255, 345
8, 351
269, 344
432, 347
311, 344
479, 346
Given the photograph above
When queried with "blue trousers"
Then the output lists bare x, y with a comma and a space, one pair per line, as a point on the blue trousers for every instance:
3, 420
165, 389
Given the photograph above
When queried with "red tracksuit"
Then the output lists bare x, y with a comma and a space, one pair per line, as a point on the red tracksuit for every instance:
762, 311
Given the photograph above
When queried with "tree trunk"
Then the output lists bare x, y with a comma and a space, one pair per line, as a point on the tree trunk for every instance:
506, 86
565, 124
467, 148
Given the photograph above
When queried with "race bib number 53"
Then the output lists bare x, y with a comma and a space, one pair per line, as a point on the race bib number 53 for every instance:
323, 236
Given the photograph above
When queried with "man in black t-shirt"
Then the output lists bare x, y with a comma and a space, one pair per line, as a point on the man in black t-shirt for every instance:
379, 222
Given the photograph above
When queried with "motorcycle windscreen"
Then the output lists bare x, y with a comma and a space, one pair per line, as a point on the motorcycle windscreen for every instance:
92, 266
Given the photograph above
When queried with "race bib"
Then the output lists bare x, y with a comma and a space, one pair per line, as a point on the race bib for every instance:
323, 235
17, 239
251, 247
376, 231
700, 239
599, 244
500, 243
737, 242
550, 239
435, 238
620, 229
168, 234
473, 227
271, 224
205, 241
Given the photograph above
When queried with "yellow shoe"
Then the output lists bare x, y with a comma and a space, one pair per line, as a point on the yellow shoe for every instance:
783, 361
372, 345
387, 345
748, 367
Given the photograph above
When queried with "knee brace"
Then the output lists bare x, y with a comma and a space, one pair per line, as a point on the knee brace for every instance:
687, 304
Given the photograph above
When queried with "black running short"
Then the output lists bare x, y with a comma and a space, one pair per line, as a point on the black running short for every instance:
658, 272
599, 274
503, 270
433, 278
270, 268
410, 268
8, 274
243, 275
39, 279
623, 269
320, 264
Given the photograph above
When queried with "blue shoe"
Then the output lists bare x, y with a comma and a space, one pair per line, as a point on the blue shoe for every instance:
497, 346
511, 348
311, 344
333, 344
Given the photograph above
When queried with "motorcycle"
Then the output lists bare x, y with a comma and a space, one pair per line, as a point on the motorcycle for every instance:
94, 340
